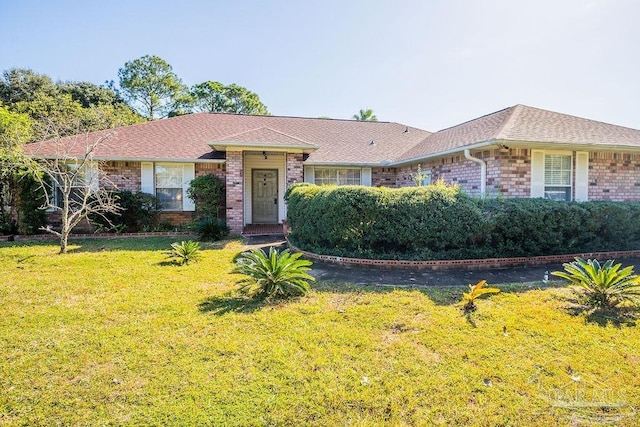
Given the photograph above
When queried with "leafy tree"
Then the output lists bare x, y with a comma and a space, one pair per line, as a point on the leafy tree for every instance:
24, 85
151, 86
214, 97
15, 130
88, 94
365, 115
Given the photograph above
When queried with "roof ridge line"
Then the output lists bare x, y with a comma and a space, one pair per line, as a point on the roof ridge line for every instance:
509, 124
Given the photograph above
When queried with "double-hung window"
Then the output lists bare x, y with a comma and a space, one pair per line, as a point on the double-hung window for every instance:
168, 179
560, 175
169, 182
557, 176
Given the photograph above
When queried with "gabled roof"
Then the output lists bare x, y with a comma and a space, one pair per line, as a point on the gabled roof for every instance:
262, 137
525, 125
191, 136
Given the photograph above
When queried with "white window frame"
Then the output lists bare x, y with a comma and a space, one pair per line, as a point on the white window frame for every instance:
567, 189
173, 167
579, 174
149, 181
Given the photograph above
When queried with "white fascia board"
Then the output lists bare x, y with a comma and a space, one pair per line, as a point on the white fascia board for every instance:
345, 165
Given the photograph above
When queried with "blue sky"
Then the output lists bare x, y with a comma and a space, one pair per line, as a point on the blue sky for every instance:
430, 64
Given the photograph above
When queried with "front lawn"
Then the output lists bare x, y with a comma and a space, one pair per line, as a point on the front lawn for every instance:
112, 334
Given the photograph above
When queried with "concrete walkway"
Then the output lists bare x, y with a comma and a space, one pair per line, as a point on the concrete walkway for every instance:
337, 273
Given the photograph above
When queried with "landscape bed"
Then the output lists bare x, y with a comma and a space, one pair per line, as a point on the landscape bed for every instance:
115, 334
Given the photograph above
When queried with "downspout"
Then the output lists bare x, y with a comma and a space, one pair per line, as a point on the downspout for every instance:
483, 171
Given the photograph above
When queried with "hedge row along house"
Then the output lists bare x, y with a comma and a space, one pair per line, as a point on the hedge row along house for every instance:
520, 151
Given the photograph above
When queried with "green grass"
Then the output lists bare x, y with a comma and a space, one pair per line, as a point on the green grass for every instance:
113, 334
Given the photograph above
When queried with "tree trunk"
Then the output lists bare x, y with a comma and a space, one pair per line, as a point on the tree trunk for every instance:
64, 236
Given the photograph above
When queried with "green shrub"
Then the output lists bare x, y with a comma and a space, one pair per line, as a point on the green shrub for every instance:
208, 193
184, 252
603, 286
139, 212
210, 229
438, 221
31, 198
278, 274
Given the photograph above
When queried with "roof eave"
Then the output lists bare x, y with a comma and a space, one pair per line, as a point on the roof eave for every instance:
412, 160
136, 159
241, 146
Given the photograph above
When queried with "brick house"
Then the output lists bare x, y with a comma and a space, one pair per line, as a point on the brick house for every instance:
516, 152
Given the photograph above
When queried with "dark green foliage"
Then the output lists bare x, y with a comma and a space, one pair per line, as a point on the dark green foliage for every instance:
440, 222
278, 274
139, 212
211, 229
208, 193
184, 252
31, 199
604, 286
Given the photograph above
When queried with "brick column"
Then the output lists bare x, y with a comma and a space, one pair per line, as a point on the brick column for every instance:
234, 181
295, 172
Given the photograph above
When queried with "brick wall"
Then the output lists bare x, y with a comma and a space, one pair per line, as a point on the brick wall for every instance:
453, 170
508, 171
383, 177
122, 175
295, 172
234, 179
614, 176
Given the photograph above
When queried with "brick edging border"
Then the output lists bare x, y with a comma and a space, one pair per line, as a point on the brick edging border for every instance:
36, 237
465, 264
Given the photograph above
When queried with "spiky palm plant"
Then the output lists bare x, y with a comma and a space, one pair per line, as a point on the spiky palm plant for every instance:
475, 292
603, 286
184, 252
276, 274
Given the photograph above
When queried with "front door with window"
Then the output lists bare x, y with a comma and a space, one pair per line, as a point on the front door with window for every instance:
264, 196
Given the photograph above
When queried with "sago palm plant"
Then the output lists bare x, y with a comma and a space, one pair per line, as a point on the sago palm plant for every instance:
603, 286
275, 274
184, 252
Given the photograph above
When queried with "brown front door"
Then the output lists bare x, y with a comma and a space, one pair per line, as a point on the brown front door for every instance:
264, 200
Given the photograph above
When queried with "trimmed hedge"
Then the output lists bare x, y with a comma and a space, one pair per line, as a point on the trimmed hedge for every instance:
441, 222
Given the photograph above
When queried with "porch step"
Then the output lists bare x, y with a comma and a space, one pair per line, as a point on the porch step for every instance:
262, 230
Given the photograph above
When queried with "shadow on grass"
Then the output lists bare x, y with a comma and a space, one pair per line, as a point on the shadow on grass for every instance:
98, 244
624, 316
440, 295
220, 305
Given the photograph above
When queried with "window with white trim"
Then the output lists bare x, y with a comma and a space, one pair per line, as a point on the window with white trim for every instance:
337, 176
169, 186
557, 176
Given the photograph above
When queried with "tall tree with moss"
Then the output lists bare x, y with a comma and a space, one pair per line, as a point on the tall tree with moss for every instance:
151, 87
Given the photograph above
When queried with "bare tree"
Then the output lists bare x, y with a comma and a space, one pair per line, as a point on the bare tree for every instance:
72, 180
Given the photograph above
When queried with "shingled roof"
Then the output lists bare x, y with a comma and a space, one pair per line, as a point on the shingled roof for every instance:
191, 137
523, 125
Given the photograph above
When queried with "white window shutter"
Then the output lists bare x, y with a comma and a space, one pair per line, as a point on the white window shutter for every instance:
309, 174
146, 178
91, 176
365, 178
582, 176
188, 174
537, 173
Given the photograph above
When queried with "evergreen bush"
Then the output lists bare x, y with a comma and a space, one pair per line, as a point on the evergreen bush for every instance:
439, 221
